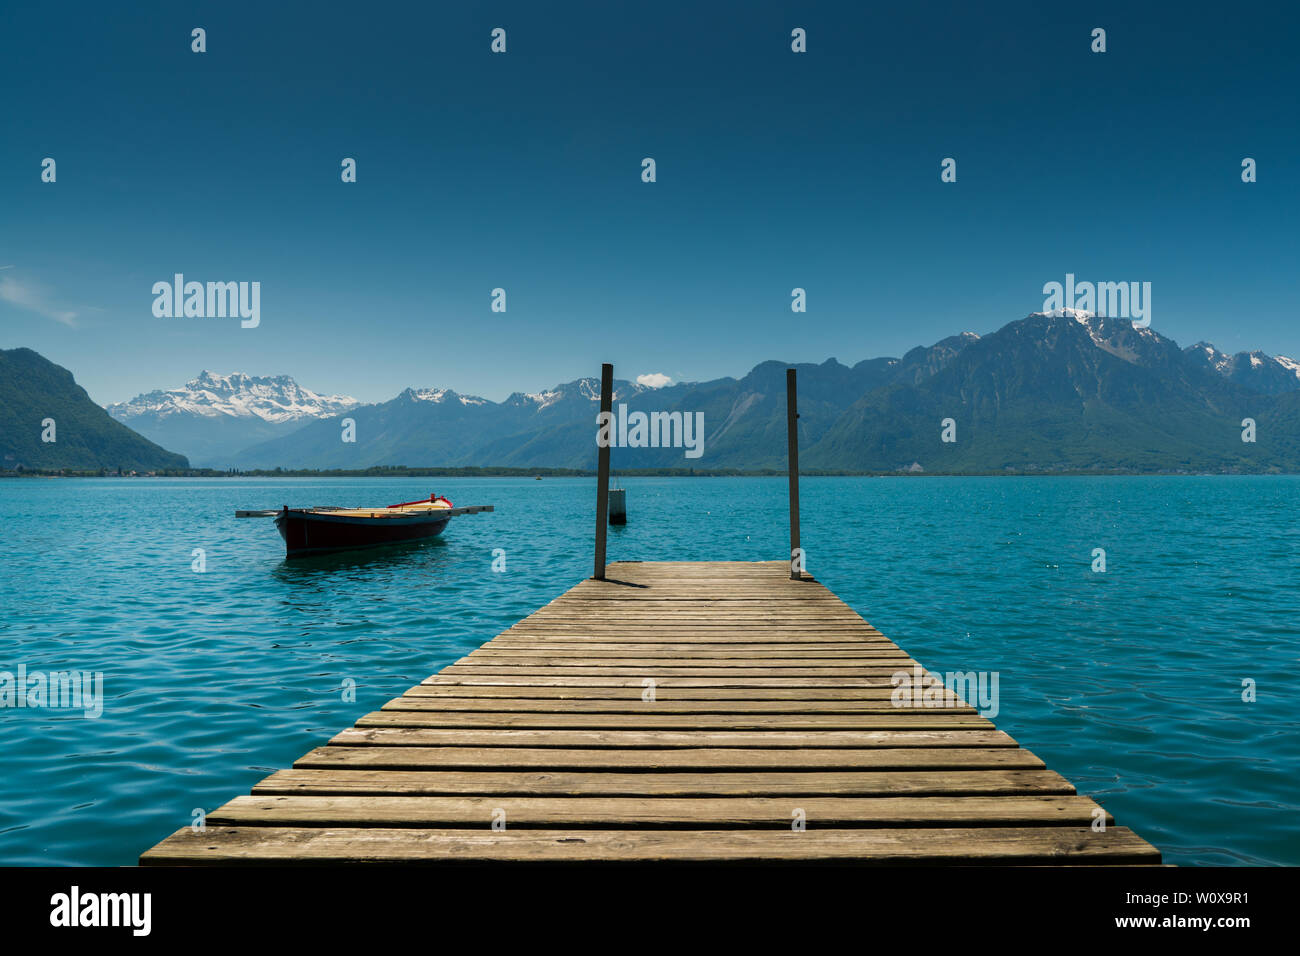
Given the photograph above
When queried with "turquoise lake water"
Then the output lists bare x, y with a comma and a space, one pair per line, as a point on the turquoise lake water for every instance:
1128, 682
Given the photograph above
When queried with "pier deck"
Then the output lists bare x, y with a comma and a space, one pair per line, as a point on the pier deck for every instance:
771, 702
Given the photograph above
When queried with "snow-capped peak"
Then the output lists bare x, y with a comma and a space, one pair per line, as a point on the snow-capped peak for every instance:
439, 395
543, 399
586, 389
1123, 338
1082, 316
1256, 370
1219, 361
273, 399
1290, 364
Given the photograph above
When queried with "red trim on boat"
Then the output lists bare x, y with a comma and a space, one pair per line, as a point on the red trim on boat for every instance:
432, 499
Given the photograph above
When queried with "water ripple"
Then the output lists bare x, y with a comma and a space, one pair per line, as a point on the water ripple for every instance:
1129, 682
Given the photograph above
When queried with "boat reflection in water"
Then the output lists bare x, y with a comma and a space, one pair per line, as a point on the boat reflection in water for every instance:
404, 564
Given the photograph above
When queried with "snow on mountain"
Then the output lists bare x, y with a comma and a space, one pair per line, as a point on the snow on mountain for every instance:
1079, 315
582, 390
1123, 338
439, 395
213, 417
542, 399
1257, 371
274, 399
1207, 353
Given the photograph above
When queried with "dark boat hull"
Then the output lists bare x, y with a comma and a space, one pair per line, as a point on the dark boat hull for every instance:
311, 532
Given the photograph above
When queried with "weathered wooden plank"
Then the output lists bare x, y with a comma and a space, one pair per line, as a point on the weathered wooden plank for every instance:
676, 784
719, 592
640, 720
840, 667
583, 702
572, 657
498, 664
672, 689
665, 692
701, 623
567, 812
810, 652
883, 846
879, 672
664, 681
639, 739
692, 637
711, 758
773, 607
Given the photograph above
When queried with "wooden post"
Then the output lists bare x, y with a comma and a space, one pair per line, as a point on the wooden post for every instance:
792, 426
602, 468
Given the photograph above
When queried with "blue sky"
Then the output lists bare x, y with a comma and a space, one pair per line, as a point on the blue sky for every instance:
522, 171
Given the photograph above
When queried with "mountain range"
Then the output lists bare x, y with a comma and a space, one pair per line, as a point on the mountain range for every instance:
1056, 391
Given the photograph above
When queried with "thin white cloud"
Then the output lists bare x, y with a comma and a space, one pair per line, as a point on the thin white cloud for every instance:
653, 380
30, 298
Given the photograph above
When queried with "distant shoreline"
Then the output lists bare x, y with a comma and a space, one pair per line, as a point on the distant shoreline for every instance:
408, 473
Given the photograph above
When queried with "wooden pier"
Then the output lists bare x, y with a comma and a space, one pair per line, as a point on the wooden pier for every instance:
693, 712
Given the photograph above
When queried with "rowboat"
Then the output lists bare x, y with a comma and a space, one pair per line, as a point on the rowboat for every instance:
308, 531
